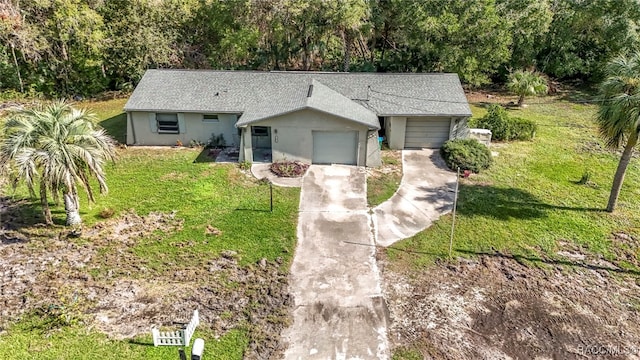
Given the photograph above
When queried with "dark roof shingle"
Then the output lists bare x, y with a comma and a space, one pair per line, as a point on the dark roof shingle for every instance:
258, 94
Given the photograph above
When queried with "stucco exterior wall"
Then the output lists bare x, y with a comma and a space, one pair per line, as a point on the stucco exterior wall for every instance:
396, 126
192, 127
292, 139
374, 157
246, 146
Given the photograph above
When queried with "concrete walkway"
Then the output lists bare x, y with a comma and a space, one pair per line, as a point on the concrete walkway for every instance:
425, 193
339, 311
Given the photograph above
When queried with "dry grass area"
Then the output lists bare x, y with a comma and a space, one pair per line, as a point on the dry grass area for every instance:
497, 307
53, 275
538, 270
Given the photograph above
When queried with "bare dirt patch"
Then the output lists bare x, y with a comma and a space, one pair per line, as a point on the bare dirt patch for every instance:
45, 269
494, 307
490, 97
391, 165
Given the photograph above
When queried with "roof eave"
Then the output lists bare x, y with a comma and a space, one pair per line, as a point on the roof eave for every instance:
183, 111
241, 124
430, 114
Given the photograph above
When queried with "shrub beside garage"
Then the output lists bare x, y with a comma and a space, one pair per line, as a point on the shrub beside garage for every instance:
466, 154
505, 127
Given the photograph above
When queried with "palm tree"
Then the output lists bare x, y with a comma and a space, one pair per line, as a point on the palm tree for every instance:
60, 148
526, 83
619, 113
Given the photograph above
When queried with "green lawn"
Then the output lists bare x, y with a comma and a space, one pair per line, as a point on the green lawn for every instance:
202, 194
530, 203
110, 116
74, 343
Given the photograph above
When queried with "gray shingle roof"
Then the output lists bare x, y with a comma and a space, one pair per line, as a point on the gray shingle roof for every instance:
313, 95
258, 95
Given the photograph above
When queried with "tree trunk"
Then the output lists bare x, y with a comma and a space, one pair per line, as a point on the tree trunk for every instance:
521, 101
44, 202
15, 62
618, 179
346, 38
72, 208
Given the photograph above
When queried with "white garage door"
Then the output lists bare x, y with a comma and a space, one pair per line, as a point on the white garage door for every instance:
335, 147
426, 132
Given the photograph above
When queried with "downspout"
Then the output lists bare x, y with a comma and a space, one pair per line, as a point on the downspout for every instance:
241, 157
133, 129
359, 143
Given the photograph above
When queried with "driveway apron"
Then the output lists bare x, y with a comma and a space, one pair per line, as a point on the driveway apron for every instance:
425, 193
339, 310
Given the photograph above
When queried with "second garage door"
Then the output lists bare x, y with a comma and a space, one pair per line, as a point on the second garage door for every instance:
335, 147
426, 132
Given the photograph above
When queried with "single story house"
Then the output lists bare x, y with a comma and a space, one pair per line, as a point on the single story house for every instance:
314, 117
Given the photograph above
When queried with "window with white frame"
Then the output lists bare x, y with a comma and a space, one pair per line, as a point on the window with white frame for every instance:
168, 123
210, 118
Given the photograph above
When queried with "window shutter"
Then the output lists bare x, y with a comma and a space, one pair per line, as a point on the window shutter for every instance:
181, 124
153, 123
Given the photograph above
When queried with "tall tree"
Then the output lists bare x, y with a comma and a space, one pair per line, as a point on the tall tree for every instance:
22, 40
350, 19
619, 114
139, 36
75, 33
529, 23
585, 35
59, 147
466, 37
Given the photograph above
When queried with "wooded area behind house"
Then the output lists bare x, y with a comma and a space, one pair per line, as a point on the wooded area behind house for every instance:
83, 47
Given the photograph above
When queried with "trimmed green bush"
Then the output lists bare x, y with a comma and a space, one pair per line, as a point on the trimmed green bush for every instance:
504, 127
467, 154
522, 129
496, 120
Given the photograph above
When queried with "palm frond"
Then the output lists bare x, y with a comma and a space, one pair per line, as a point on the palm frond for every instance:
619, 100
59, 145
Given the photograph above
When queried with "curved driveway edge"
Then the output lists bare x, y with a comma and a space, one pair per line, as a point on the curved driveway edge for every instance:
339, 311
425, 194
263, 170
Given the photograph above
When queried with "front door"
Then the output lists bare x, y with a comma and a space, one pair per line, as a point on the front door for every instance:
261, 142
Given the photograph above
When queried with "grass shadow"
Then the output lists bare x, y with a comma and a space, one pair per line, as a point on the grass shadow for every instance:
522, 258
116, 127
16, 214
12, 238
207, 156
508, 105
505, 203
254, 210
22, 219
578, 94
140, 342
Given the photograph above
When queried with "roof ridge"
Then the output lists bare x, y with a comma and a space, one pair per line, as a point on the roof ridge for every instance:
194, 90
303, 72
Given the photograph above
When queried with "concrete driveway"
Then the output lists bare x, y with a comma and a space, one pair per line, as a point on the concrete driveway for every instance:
339, 311
425, 194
